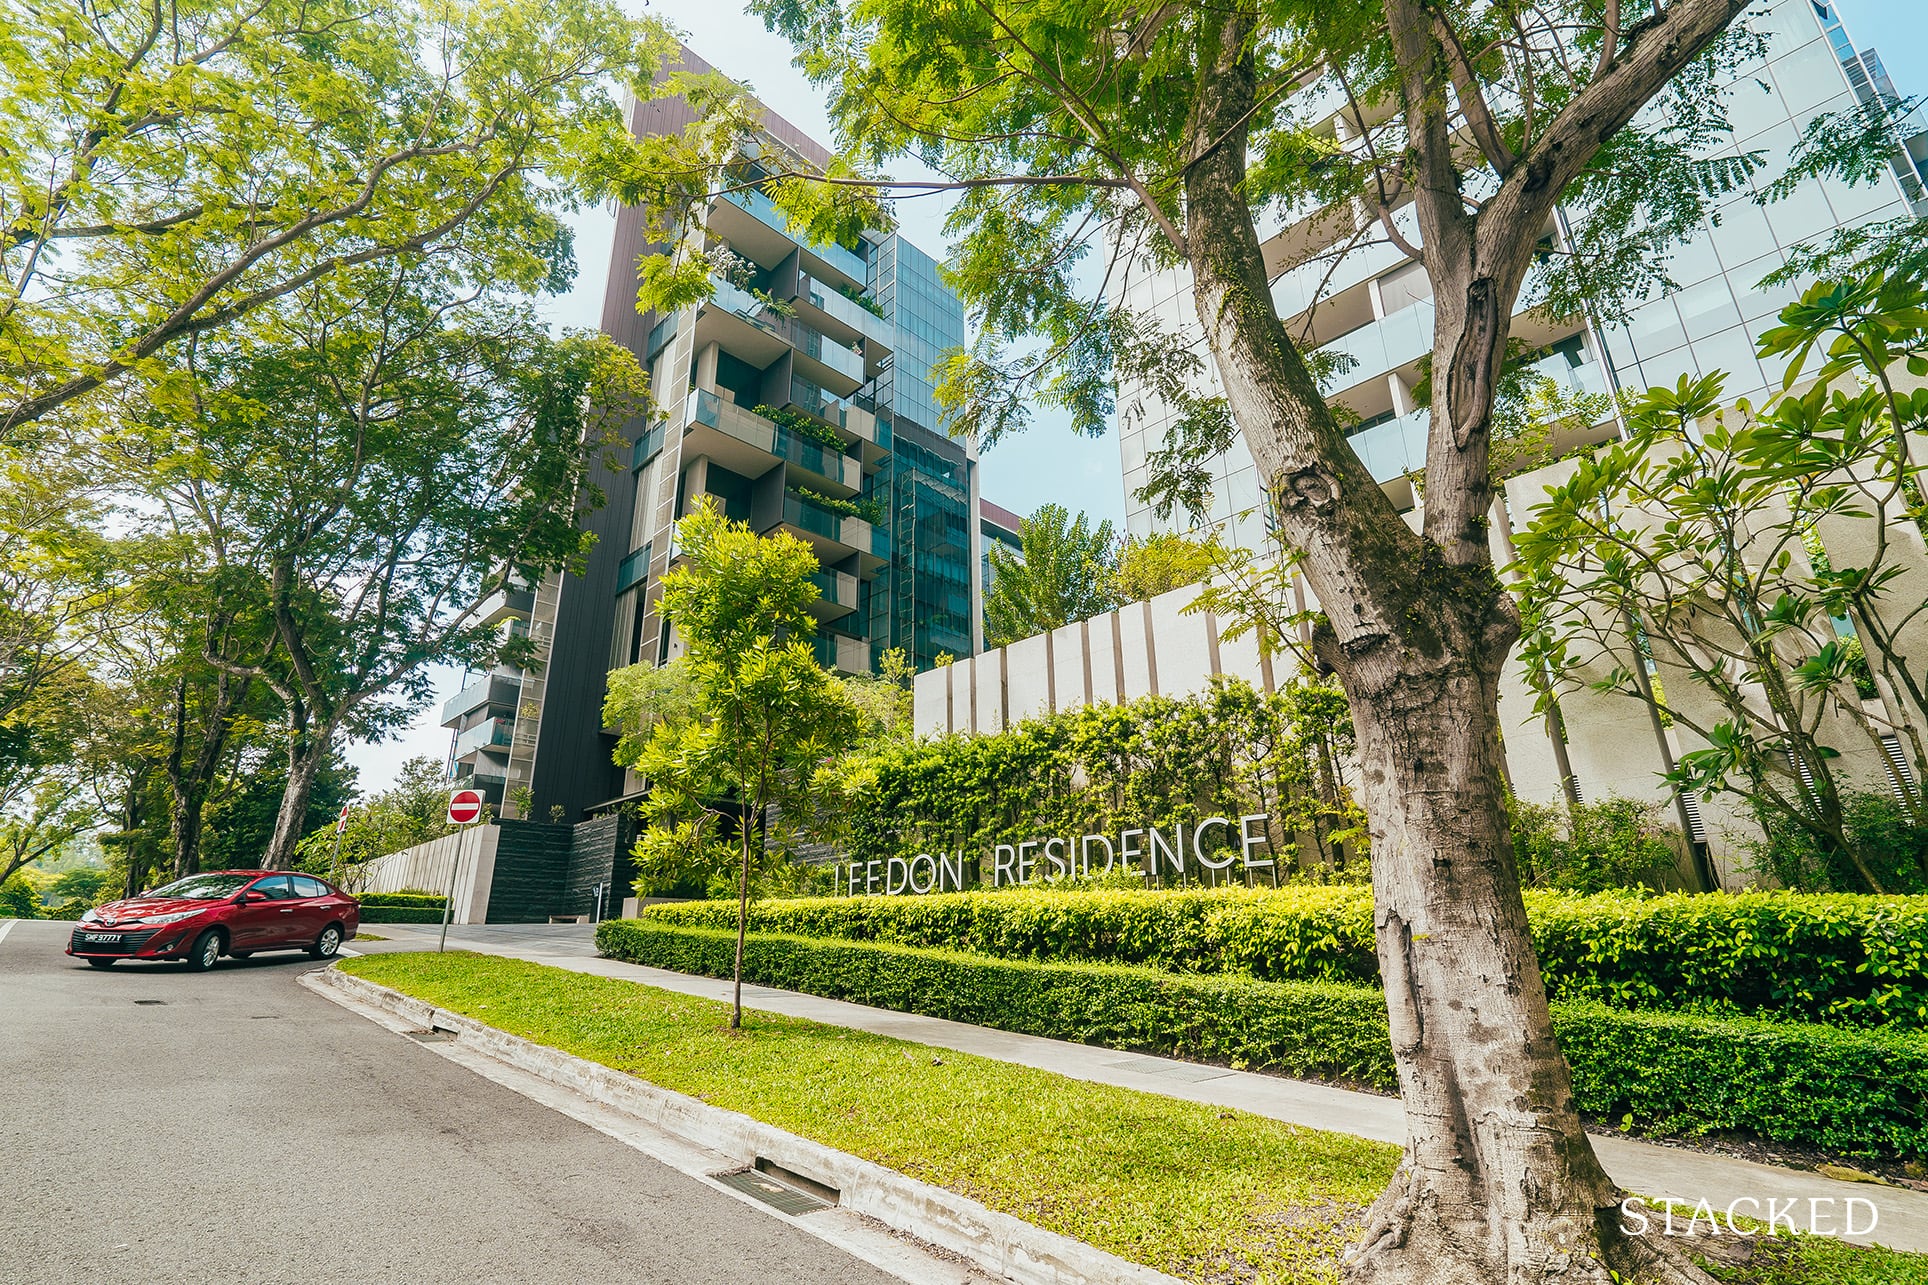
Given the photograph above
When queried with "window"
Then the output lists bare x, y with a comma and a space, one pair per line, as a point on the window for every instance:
306, 887
274, 888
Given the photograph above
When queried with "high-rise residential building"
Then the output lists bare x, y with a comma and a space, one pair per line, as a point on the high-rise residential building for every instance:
1376, 307
798, 398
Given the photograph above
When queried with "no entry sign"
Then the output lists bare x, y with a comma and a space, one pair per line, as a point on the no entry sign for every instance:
464, 806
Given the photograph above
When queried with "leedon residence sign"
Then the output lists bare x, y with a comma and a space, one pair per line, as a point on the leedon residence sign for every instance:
1215, 843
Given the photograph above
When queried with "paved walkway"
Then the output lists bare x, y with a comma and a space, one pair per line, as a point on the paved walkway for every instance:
1657, 1171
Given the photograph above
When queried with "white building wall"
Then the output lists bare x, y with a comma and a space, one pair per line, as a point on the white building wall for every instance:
464, 860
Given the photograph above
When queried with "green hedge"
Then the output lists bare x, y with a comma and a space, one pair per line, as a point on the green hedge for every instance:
401, 915
1850, 1092
1789, 956
407, 897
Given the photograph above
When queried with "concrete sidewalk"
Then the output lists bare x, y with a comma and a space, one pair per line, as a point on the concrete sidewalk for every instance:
1656, 1171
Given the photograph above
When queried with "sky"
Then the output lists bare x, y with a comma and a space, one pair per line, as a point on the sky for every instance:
1046, 464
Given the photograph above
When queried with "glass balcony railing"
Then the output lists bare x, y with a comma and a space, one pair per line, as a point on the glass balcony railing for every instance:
831, 302
489, 734
755, 203
806, 516
839, 587
818, 458
1385, 344
1394, 448
811, 343
632, 569
647, 445
838, 651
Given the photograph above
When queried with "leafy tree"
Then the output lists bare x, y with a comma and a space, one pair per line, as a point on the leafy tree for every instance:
1158, 136
365, 464
1701, 548
1063, 573
757, 717
172, 167
413, 810
1162, 562
241, 821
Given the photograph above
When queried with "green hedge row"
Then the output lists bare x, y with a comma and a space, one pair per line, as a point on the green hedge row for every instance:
1850, 1092
1789, 956
407, 897
401, 914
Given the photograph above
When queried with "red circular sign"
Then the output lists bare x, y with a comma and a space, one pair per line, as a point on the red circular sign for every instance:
464, 806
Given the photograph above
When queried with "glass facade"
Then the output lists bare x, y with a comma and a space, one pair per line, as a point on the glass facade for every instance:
1375, 306
928, 606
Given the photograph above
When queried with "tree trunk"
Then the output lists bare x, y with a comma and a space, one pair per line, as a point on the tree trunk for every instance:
1499, 1182
307, 750
742, 921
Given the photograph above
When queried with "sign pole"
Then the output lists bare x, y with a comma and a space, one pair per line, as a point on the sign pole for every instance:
448, 903
465, 809
341, 828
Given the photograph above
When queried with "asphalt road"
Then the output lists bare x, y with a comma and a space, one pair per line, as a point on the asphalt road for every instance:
159, 1125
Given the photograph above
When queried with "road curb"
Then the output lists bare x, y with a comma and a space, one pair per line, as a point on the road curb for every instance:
997, 1242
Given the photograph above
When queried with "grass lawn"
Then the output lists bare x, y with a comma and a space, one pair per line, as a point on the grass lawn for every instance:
1203, 1193
369, 937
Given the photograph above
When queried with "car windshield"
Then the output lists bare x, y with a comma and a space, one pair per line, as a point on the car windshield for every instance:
204, 887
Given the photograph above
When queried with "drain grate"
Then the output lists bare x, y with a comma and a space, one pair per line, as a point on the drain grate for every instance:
778, 1195
160, 1002
436, 1036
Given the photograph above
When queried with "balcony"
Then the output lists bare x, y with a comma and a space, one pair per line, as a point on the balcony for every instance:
843, 653
1388, 344
647, 445
838, 313
506, 604
805, 516
766, 438
632, 569
499, 691
759, 207
839, 590
489, 734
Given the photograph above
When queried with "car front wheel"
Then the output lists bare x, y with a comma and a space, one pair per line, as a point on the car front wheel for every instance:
327, 944
206, 949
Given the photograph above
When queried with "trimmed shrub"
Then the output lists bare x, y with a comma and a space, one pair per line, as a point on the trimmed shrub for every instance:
1839, 958
1857, 1093
409, 906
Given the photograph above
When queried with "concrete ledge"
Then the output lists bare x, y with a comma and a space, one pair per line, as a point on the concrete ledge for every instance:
1011, 1248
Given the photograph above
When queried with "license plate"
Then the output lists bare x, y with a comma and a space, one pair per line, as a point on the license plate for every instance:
101, 939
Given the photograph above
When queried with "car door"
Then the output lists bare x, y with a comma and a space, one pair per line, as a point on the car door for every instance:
314, 907
272, 919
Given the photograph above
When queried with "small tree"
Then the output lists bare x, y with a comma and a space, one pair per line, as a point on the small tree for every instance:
758, 715
1160, 563
1064, 573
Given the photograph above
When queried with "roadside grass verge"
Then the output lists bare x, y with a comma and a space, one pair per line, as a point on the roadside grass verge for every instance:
1202, 1193
1207, 1194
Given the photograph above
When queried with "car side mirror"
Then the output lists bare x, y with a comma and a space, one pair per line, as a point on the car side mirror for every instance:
245, 898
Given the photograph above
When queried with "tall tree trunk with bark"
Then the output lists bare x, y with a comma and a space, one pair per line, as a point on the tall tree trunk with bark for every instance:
309, 741
1499, 1184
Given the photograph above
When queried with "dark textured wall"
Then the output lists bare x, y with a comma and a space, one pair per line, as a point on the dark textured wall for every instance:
543, 869
531, 861
601, 851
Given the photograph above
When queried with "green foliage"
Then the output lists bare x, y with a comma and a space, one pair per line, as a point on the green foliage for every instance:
1841, 959
410, 906
411, 811
1712, 553
1885, 836
869, 511
169, 170
1063, 573
1591, 847
1159, 760
1849, 1092
1160, 563
753, 723
808, 427
19, 899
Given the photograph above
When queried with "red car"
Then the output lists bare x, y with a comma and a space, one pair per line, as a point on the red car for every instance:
219, 912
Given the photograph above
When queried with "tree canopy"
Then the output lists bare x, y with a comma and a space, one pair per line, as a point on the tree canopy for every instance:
1062, 573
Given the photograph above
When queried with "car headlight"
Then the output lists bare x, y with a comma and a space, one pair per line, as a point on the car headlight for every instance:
175, 918
91, 917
